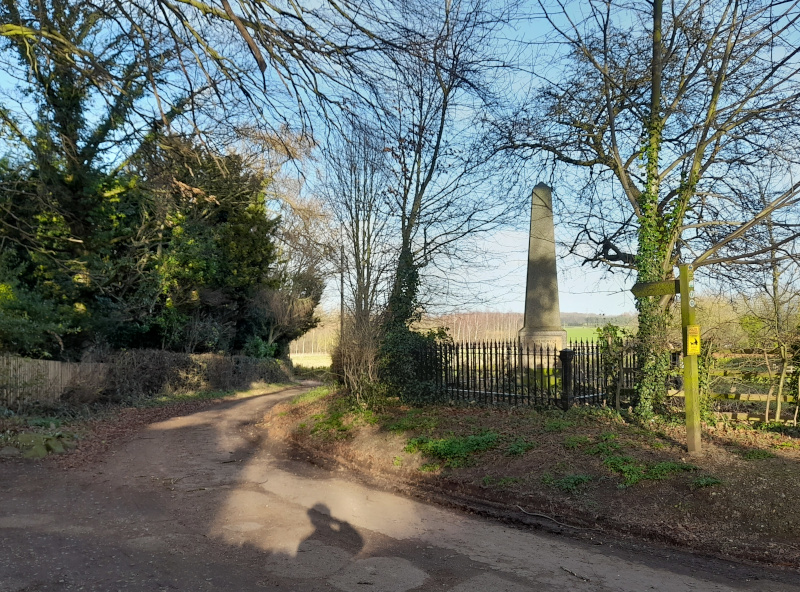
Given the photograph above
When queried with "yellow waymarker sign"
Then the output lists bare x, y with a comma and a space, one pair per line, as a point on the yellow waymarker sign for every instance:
693, 340
684, 286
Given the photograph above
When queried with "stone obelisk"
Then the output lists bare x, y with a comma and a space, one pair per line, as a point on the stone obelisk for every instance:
542, 313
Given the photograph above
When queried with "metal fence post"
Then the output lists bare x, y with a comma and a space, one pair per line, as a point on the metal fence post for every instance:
566, 356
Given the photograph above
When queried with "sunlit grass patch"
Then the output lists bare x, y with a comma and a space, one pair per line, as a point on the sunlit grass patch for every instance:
454, 451
414, 420
311, 396
316, 360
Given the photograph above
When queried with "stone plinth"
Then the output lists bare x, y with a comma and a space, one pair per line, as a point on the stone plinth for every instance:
542, 312
556, 339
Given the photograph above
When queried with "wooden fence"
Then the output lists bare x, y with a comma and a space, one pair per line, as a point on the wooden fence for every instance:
24, 381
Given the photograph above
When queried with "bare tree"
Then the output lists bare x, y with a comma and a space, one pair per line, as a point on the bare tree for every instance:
356, 186
448, 184
651, 113
765, 282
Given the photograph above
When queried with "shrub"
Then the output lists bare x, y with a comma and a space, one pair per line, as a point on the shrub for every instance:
145, 373
255, 347
399, 367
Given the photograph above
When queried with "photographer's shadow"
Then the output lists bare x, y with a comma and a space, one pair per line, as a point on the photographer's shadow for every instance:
330, 547
332, 531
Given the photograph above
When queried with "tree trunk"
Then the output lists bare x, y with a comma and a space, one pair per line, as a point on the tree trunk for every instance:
620, 378
781, 381
771, 387
652, 258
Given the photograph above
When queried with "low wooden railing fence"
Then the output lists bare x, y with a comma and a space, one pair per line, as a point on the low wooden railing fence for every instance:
24, 381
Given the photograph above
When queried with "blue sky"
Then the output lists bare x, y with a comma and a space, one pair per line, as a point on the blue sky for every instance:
581, 288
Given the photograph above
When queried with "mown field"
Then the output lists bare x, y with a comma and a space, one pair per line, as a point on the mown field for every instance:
315, 360
323, 360
581, 333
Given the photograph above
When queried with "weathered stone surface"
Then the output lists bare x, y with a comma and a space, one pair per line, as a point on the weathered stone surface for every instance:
542, 311
553, 339
9, 452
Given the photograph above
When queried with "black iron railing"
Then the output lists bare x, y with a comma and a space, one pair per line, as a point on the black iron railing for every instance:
513, 373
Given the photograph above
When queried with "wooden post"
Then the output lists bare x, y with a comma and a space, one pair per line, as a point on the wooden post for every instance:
691, 347
566, 356
691, 344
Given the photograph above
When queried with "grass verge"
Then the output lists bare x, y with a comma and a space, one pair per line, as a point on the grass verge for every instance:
587, 466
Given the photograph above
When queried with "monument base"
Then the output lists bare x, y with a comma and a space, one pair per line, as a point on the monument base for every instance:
554, 339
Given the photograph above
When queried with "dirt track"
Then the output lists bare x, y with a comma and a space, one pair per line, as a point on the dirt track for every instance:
206, 502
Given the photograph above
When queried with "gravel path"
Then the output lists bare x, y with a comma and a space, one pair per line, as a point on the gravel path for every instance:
207, 502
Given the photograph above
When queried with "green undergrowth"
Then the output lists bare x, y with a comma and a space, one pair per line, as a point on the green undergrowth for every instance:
756, 454
575, 442
520, 446
568, 483
598, 446
413, 420
340, 416
557, 425
313, 395
633, 471
455, 451
705, 481
608, 447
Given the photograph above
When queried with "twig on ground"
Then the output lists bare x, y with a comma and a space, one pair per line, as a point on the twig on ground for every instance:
521, 509
572, 573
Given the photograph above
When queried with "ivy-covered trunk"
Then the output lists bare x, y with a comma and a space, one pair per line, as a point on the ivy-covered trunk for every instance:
653, 263
653, 258
653, 356
402, 304
397, 367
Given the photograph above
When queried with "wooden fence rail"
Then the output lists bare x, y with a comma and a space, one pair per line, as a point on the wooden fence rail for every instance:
24, 381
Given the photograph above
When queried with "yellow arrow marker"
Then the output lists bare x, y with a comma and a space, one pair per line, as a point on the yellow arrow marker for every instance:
693, 340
